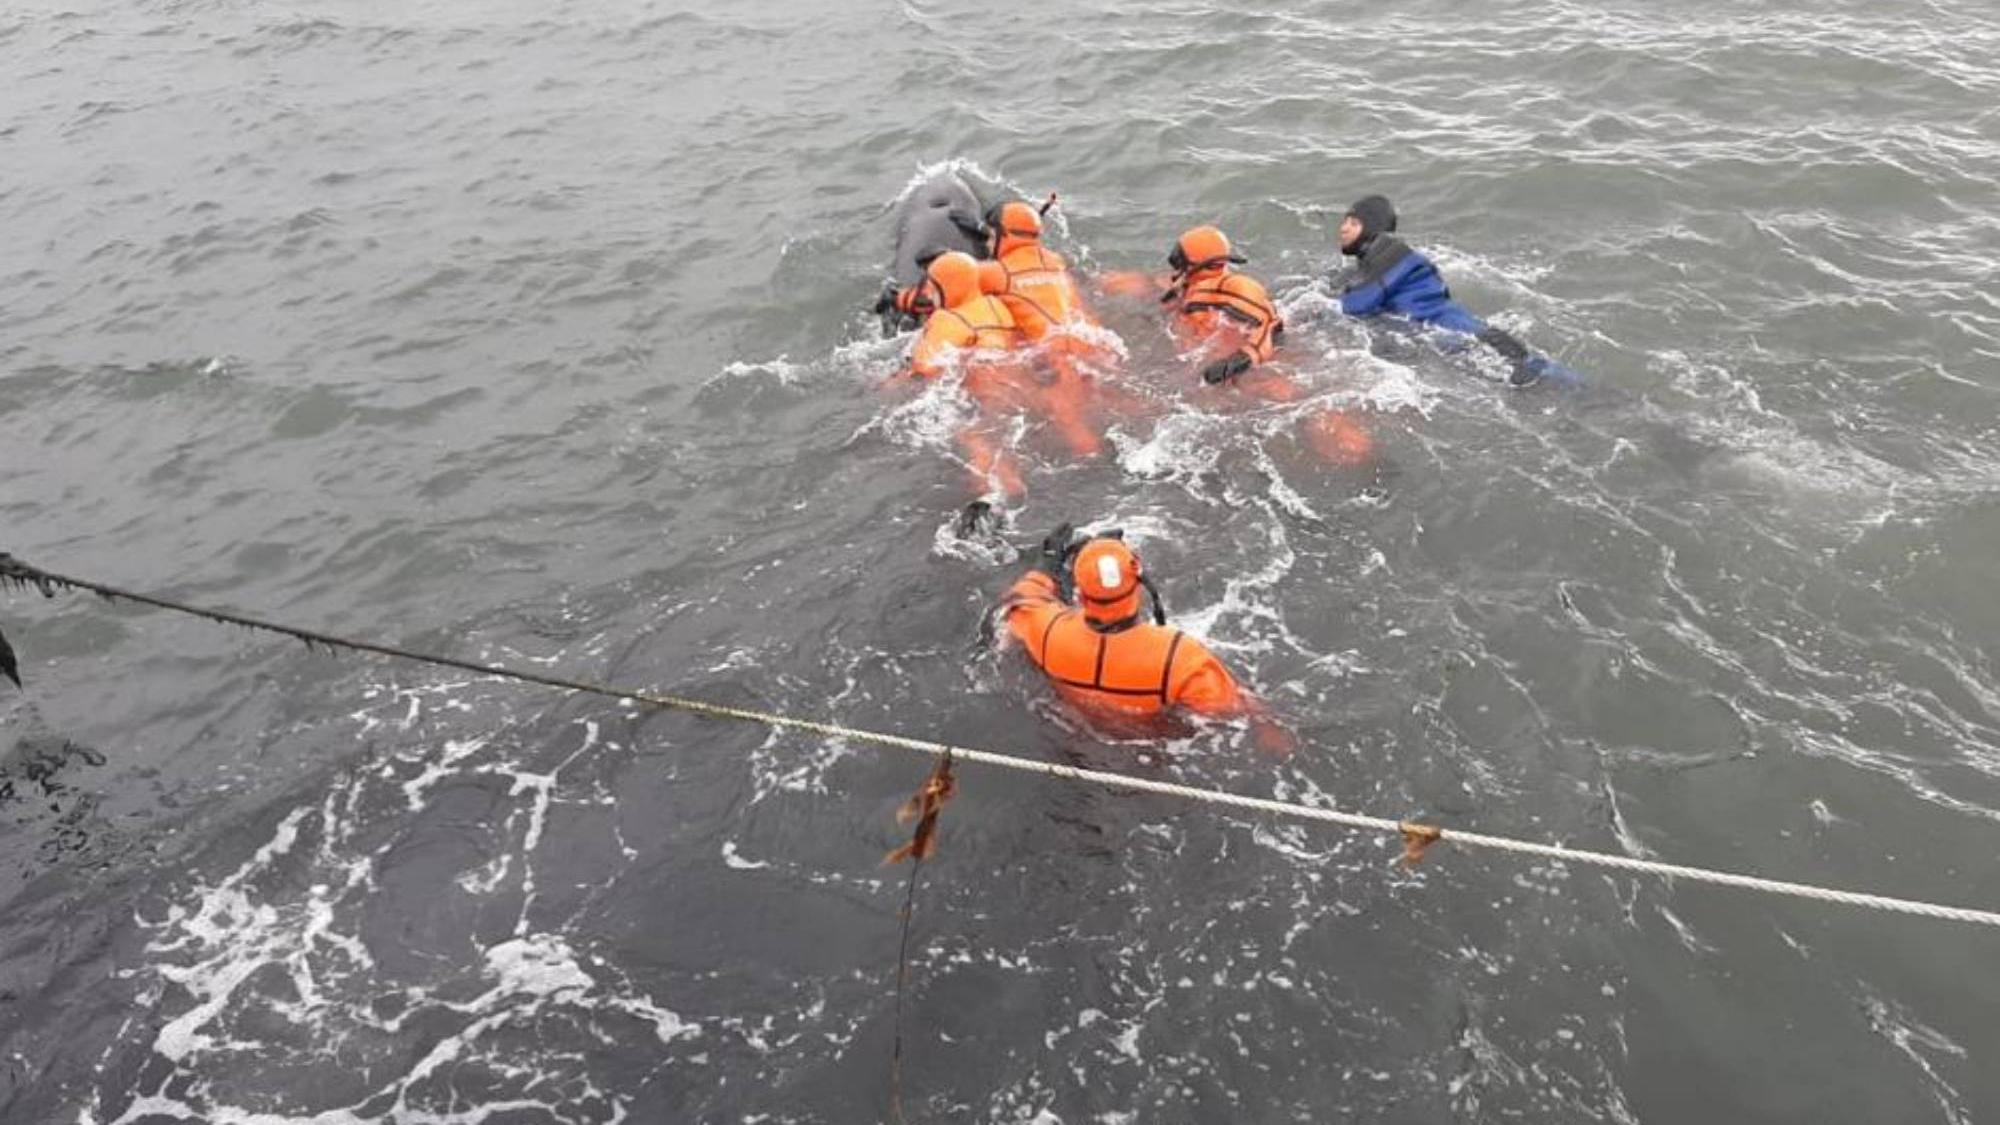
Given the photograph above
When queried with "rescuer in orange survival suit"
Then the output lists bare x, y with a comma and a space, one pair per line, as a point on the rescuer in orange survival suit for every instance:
1219, 309
1101, 655
1030, 279
1033, 281
1035, 284
965, 318
1228, 319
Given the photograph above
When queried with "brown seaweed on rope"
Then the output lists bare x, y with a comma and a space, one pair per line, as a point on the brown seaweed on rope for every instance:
923, 808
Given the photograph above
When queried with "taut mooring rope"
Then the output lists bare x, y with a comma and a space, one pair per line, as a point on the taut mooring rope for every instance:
1417, 837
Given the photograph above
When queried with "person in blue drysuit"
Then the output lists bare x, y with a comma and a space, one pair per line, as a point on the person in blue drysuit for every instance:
1389, 277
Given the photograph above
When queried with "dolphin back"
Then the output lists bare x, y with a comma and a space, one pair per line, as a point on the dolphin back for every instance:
924, 223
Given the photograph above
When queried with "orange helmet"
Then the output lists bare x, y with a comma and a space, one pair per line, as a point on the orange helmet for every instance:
1202, 249
1107, 576
1013, 221
956, 277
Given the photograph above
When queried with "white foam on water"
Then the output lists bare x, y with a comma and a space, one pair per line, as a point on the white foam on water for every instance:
733, 859
781, 369
1283, 494
1293, 841
542, 786
1688, 938
1178, 449
287, 910
1389, 388
416, 790
1920, 1043
964, 167
1761, 447
786, 764
929, 419
1516, 273
1245, 596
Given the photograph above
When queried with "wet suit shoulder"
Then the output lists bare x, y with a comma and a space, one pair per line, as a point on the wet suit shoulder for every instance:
1393, 278
1366, 279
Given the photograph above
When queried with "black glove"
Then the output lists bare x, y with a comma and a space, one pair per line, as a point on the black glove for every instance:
886, 303
1229, 368
1500, 340
1055, 550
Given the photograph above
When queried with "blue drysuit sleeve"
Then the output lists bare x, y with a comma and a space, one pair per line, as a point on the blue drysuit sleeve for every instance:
1365, 300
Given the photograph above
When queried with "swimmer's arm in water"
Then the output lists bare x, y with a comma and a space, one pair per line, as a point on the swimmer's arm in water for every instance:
1036, 597
1364, 300
1029, 608
1205, 687
1263, 344
913, 300
1212, 692
1133, 283
916, 301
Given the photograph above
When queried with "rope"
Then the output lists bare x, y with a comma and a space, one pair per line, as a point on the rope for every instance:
936, 792
1416, 836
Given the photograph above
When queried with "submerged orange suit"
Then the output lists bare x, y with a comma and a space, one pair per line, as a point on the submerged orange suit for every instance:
1101, 656
1228, 313
966, 319
1036, 285
1230, 317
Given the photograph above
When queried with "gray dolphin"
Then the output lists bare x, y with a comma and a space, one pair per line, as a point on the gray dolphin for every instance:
942, 213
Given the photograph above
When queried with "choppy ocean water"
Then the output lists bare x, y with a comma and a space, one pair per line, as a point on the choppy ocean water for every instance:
537, 333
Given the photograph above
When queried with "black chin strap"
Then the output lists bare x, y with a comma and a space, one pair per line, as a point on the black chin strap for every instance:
1159, 606
1185, 277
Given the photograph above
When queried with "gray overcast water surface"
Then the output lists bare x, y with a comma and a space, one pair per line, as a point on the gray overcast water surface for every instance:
536, 333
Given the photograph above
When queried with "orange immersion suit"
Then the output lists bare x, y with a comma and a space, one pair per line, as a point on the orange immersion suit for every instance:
1100, 656
1229, 306
1033, 281
1036, 286
1226, 313
1231, 318
965, 317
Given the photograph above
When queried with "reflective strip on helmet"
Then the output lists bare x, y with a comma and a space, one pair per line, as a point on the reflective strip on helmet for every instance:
1109, 574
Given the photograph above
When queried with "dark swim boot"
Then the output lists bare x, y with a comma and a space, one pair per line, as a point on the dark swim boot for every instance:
979, 520
9, 666
1540, 368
